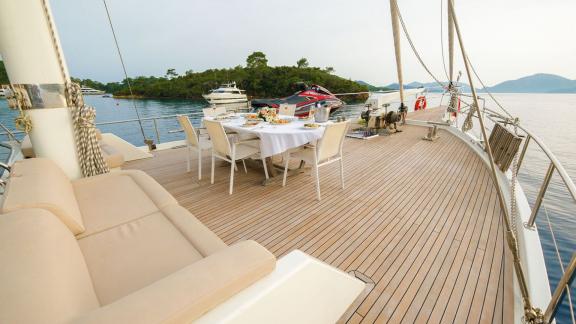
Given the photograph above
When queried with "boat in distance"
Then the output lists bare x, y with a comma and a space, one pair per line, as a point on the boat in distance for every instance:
305, 99
227, 93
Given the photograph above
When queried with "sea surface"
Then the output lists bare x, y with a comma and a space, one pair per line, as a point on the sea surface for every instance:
552, 117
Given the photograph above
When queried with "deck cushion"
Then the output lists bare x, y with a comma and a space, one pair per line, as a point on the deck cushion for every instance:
119, 197
189, 293
133, 255
40, 183
204, 240
43, 276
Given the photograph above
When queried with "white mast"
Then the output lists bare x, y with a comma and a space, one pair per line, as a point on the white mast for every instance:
450, 42
30, 48
396, 32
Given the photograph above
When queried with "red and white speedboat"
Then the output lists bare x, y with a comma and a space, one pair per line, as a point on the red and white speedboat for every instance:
305, 99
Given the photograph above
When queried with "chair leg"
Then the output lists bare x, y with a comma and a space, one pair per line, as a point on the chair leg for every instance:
212, 172
244, 164
317, 176
286, 160
235, 166
189, 151
265, 168
342, 172
232, 167
199, 164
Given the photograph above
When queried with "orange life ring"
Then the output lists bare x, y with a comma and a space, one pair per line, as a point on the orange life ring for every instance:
420, 103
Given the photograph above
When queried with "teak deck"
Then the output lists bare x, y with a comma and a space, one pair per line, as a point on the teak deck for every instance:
420, 219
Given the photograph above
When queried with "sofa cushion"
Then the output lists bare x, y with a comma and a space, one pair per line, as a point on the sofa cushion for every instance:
111, 155
40, 183
189, 293
43, 276
115, 198
131, 256
204, 240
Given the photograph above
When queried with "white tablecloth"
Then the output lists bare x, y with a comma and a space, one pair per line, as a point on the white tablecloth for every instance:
276, 139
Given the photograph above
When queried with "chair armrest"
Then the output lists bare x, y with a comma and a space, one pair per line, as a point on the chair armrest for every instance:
191, 292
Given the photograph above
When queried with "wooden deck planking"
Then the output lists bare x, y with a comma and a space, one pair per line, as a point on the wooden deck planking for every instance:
420, 219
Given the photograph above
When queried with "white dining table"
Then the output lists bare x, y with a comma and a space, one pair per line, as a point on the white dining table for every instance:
275, 139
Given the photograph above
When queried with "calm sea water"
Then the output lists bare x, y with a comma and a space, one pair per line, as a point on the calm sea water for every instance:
552, 117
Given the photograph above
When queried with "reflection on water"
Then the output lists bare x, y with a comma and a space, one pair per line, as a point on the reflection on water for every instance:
549, 116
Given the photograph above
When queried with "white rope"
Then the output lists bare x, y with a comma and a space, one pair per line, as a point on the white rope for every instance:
89, 151
414, 47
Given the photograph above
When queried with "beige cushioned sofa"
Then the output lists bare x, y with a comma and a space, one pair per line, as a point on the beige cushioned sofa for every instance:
115, 248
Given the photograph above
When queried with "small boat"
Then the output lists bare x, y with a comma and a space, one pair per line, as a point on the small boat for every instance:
2, 95
87, 91
227, 93
304, 100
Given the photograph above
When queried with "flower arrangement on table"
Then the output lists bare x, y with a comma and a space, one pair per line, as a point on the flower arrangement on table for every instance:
268, 114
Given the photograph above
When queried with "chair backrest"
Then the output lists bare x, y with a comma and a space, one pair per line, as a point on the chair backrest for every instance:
220, 142
332, 141
213, 111
287, 110
189, 131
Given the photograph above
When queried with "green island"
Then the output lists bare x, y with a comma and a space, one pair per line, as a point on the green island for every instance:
258, 79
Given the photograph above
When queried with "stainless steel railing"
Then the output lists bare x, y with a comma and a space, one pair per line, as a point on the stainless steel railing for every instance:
554, 167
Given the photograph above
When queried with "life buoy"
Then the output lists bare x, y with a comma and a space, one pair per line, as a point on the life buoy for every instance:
420, 103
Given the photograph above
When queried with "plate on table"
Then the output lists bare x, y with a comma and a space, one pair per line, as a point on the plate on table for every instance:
311, 126
251, 123
281, 122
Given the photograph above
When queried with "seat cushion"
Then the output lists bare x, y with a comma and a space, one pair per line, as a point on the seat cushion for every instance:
40, 183
203, 240
111, 155
43, 276
131, 256
189, 293
119, 197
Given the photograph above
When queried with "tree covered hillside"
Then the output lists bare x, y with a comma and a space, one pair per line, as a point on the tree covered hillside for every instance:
257, 78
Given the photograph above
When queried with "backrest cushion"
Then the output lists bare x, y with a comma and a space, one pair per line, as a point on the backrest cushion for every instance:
43, 276
40, 183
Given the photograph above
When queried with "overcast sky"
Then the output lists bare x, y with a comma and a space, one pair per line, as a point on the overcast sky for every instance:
505, 39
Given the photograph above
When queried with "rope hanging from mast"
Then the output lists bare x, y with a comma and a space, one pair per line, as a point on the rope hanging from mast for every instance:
531, 314
124, 70
87, 147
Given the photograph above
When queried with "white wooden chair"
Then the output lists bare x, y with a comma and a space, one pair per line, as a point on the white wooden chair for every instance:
328, 150
287, 110
213, 111
222, 149
193, 143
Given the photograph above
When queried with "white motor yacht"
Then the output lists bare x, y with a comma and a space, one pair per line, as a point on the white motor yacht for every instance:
227, 93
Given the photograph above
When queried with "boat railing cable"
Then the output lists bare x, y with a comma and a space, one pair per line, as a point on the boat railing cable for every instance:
124, 69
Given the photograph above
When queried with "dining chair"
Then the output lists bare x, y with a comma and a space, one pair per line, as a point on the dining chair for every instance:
214, 111
327, 150
193, 143
287, 110
222, 149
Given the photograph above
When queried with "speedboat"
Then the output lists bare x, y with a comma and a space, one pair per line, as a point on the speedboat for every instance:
227, 93
91, 91
304, 100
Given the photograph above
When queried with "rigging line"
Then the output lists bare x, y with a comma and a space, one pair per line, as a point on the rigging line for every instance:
414, 47
442, 39
124, 69
561, 264
486, 88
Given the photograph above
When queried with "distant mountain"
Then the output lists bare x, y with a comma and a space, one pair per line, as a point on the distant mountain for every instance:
371, 87
537, 83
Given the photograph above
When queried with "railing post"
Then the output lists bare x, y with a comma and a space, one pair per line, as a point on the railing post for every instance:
524, 149
541, 194
156, 129
559, 293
